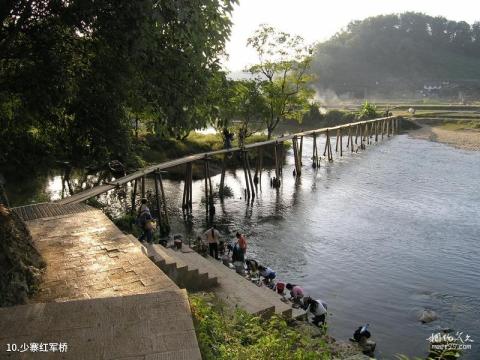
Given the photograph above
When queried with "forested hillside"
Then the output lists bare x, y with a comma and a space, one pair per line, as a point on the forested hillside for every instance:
391, 54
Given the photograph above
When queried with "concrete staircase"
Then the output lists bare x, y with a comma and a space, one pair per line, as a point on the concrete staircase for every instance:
150, 326
185, 274
234, 289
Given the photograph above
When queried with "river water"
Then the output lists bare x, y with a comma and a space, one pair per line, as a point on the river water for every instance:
379, 235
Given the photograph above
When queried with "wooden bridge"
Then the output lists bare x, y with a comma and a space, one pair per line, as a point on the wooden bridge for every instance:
359, 134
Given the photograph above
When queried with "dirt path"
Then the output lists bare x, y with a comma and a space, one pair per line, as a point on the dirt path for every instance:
461, 139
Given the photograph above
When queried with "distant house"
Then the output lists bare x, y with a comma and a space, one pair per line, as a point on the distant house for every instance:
432, 87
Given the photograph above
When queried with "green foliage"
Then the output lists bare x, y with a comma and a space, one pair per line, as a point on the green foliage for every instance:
282, 74
392, 54
223, 335
368, 111
79, 78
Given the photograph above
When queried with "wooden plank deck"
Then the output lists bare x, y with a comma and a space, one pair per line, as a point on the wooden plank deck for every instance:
47, 210
95, 191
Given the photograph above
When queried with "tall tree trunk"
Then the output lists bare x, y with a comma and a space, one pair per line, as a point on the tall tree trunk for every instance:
269, 132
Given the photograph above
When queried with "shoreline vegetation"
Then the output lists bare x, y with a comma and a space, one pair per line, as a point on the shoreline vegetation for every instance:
224, 333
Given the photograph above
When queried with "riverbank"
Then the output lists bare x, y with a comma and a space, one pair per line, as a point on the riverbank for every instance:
456, 135
224, 333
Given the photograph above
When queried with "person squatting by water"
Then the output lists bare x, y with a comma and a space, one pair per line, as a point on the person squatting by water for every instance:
317, 308
268, 275
238, 258
279, 287
145, 222
296, 293
252, 266
212, 237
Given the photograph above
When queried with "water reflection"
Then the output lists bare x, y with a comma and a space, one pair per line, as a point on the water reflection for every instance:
379, 235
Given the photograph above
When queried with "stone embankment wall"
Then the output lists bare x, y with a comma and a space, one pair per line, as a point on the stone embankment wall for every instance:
20, 263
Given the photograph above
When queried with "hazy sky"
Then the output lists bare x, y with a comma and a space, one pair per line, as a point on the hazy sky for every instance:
318, 20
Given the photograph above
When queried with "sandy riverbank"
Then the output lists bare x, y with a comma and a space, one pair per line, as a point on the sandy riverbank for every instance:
461, 139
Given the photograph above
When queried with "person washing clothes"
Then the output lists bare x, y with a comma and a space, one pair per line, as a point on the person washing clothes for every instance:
238, 258
212, 237
296, 293
317, 308
268, 275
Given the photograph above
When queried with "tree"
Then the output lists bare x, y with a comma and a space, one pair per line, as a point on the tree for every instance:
73, 74
282, 74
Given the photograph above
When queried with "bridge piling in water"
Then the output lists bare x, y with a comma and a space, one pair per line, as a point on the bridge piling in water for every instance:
133, 208
249, 173
297, 156
315, 157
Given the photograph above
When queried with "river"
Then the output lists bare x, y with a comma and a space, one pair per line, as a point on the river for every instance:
379, 235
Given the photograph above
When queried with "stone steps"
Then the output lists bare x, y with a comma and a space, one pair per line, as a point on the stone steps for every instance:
155, 325
234, 289
184, 274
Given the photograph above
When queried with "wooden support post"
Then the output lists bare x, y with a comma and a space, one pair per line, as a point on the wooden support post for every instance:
351, 140
190, 184
277, 172
296, 156
252, 187
280, 164
222, 176
388, 128
315, 157
362, 146
143, 187
133, 209
157, 200
205, 174
376, 131
356, 134
301, 151
275, 182
185, 189
341, 142
258, 166
245, 172
164, 201
211, 206
337, 140
326, 143
330, 153
328, 148
383, 128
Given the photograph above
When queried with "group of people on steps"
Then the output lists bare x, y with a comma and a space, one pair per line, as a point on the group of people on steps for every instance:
235, 254
250, 268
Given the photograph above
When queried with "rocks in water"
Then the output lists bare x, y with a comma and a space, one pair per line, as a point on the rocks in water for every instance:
368, 346
427, 316
358, 357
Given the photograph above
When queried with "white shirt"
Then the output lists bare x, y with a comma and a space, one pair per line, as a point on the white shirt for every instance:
212, 236
320, 310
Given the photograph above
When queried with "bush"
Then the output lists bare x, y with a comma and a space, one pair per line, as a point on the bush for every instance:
368, 111
229, 335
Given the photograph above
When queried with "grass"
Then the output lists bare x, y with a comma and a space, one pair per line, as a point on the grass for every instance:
460, 125
224, 334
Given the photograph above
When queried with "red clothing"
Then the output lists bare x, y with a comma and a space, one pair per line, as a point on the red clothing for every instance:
242, 242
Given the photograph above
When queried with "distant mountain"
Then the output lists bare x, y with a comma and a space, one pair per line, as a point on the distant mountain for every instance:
391, 55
